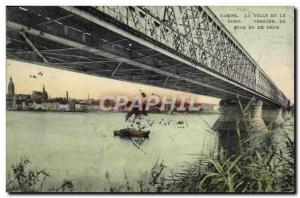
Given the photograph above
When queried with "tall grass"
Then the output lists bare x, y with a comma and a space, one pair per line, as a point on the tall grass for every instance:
259, 165
24, 178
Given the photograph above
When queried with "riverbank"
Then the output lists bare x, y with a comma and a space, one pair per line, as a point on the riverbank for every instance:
150, 112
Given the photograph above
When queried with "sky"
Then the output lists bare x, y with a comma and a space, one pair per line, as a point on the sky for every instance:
272, 49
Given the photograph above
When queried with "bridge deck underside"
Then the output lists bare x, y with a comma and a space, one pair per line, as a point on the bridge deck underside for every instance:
54, 20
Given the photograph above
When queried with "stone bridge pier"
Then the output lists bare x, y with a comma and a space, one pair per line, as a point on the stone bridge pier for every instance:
272, 116
236, 123
286, 113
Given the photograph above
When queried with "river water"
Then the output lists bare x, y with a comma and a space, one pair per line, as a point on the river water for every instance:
81, 146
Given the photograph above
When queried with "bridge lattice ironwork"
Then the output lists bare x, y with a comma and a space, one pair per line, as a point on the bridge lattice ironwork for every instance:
195, 33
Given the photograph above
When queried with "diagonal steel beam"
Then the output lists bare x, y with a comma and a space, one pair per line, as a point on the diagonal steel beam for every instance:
113, 42
24, 42
33, 47
115, 71
56, 20
166, 81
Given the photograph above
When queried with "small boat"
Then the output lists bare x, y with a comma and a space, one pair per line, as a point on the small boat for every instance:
128, 132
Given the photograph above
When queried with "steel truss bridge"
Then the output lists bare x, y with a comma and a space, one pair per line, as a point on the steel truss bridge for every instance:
181, 48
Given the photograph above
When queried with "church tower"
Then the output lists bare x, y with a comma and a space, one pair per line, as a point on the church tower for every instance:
11, 87
44, 94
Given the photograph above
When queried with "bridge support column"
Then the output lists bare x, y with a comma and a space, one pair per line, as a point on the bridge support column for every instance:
286, 114
232, 118
273, 117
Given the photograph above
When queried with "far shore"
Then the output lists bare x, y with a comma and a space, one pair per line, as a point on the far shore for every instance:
151, 112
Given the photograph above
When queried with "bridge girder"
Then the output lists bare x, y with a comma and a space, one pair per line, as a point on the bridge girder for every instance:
208, 43
177, 43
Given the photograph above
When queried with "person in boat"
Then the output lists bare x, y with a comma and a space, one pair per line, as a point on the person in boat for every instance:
136, 112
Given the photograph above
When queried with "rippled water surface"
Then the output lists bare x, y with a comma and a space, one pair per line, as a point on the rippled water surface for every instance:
81, 146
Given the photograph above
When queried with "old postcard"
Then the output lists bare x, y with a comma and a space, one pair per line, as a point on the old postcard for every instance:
150, 99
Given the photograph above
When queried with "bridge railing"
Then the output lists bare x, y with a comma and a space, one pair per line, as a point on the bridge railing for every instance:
192, 34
